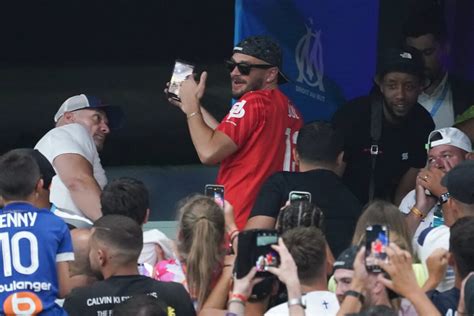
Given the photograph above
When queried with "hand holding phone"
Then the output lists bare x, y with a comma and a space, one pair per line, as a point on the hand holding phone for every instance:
255, 250
216, 192
181, 71
376, 243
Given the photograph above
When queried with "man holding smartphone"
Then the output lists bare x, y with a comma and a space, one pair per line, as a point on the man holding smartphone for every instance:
256, 137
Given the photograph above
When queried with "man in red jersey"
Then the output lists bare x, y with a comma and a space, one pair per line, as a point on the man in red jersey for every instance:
256, 137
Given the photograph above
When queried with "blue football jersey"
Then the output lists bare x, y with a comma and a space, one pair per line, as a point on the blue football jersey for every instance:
32, 241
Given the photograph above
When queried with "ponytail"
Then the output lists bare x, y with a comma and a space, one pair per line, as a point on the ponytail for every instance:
202, 228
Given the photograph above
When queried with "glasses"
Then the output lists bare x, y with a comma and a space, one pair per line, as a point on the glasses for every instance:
244, 68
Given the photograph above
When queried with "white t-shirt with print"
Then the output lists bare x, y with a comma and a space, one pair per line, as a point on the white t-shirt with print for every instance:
317, 303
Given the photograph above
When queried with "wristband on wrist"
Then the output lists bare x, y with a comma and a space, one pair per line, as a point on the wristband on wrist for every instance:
233, 236
233, 233
296, 301
188, 116
357, 295
417, 213
237, 296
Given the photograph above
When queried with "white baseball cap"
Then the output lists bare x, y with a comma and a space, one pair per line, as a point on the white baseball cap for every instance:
449, 136
114, 113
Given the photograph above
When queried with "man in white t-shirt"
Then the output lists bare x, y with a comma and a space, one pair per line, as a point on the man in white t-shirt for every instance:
307, 246
82, 125
447, 147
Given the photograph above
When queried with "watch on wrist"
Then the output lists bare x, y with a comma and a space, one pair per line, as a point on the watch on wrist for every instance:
296, 301
356, 294
443, 198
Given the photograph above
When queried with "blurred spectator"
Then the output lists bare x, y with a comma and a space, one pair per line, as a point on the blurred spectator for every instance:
383, 213
82, 125
129, 197
384, 133
344, 271
466, 300
372, 289
36, 244
300, 213
141, 305
318, 154
115, 245
256, 137
307, 248
465, 122
201, 248
304, 214
459, 203
447, 96
461, 248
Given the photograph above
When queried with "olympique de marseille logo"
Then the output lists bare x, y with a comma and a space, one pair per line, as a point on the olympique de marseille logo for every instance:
309, 58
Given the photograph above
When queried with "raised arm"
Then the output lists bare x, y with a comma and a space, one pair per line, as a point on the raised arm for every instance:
212, 146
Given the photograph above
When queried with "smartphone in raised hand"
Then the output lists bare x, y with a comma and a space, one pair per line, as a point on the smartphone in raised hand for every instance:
216, 192
181, 71
376, 243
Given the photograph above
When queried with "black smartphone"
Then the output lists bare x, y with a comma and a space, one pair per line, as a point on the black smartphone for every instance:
295, 196
254, 250
181, 71
376, 243
216, 192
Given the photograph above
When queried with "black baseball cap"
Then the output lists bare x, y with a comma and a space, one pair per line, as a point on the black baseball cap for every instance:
460, 182
346, 259
264, 48
407, 60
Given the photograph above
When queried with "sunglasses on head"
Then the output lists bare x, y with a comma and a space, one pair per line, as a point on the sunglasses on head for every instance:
245, 68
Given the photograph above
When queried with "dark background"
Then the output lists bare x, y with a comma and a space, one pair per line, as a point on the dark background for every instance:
120, 50
123, 52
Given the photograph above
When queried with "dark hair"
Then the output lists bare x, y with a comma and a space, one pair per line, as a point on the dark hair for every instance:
120, 233
300, 213
46, 169
307, 246
377, 310
319, 142
427, 19
19, 174
201, 242
141, 305
125, 196
461, 245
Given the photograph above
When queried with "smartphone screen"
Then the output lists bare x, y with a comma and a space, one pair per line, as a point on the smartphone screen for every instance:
295, 196
216, 192
376, 242
266, 256
180, 72
255, 250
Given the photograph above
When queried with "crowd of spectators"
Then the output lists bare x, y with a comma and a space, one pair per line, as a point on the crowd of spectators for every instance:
73, 244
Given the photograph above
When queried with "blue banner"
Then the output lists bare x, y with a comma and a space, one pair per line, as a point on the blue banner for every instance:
329, 47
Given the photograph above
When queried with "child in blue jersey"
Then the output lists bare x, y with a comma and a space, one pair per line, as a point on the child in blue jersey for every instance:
35, 244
